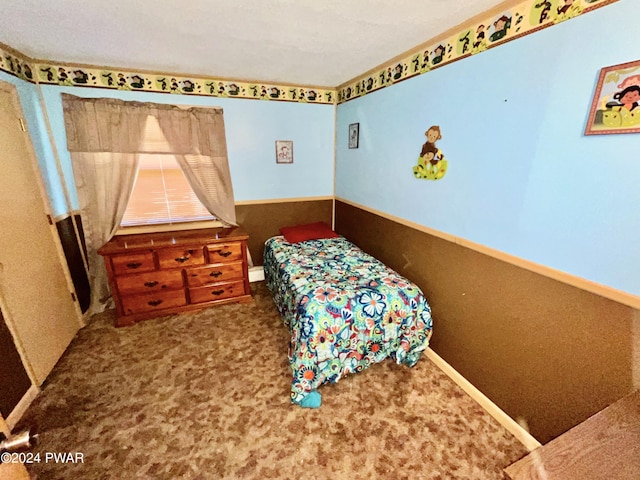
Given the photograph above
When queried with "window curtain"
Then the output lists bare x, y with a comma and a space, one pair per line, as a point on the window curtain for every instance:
103, 137
196, 137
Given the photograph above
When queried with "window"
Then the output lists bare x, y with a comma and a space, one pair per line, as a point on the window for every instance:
161, 194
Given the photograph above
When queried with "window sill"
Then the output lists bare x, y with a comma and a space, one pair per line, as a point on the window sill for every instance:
169, 227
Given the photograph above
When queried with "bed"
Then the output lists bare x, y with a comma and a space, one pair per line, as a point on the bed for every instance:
345, 310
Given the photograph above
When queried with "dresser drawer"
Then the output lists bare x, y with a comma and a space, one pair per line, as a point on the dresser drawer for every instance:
224, 252
216, 292
180, 257
133, 263
197, 277
149, 282
148, 302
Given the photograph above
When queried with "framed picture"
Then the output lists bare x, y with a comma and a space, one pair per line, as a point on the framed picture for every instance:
284, 151
354, 135
615, 107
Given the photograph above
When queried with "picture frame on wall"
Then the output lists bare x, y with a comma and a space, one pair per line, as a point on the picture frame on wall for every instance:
284, 151
615, 107
354, 135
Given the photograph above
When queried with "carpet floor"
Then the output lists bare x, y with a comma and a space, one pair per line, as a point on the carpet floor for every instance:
206, 396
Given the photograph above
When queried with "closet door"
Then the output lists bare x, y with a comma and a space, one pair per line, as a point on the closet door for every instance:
35, 290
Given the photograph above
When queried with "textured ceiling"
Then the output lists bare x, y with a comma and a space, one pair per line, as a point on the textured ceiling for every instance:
322, 42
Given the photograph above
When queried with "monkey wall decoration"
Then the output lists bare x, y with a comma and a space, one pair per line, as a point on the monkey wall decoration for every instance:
431, 163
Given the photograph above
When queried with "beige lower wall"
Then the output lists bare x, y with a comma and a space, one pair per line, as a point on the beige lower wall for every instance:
264, 220
547, 353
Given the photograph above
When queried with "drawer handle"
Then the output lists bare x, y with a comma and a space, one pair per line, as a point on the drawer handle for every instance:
217, 292
134, 265
150, 284
215, 274
223, 253
182, 259
155, 303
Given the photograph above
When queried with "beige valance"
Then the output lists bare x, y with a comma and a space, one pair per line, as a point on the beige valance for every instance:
118, 126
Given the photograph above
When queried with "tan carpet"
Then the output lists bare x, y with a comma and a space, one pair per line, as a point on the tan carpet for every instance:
206, 396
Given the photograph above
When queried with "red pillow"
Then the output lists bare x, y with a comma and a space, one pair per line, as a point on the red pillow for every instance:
309, 231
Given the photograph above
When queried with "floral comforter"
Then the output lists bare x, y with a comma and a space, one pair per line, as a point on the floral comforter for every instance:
345, 310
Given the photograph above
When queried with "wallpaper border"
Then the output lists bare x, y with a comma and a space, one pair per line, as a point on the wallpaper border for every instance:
476, 37
522, 19
57, 73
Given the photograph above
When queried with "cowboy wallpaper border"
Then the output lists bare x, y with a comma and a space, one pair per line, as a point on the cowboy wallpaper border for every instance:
514, 22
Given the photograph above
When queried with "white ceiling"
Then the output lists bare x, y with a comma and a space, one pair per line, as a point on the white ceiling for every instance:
321, 42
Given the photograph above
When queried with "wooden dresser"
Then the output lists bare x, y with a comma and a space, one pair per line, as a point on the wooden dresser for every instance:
155, 274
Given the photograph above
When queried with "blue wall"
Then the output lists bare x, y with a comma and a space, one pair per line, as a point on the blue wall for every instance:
522, 177
36, 126
252, 127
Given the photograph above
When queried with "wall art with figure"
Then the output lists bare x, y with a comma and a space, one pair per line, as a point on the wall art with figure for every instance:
616, 104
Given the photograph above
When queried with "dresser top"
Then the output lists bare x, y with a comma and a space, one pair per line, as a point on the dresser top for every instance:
147, 241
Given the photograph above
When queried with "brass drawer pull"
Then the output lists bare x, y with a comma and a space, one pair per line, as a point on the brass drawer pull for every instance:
182, 259
215, 274
222, 253
155, 303
134, 265
150, 284
217, 292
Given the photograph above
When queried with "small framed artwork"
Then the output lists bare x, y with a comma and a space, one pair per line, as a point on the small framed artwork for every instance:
284, 151
354, 135
615, 107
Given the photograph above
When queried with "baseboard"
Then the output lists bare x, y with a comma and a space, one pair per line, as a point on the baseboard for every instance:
256, 274
15, 416
492, 409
